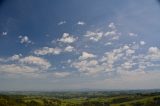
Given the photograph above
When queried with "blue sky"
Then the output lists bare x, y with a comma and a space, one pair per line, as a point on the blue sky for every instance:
77, 44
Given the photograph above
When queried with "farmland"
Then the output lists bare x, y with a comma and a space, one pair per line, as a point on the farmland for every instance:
80, 98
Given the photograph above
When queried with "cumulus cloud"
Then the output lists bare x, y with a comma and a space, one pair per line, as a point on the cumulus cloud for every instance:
15, 57
67, 38
53, 51
112, 25
61, 74
154, 50
25, 40
111, 57
118, 59
33, 63
94, 36
132, 34
121, 58
130, 51
88, 67
127, 65
154, 53
16, 69
31, 66
62, 22
33, 60
113, 34
69, 49
86, 55
4, 33
108, 43
142, 42
47, 50
110, 35
81, 23
116, 54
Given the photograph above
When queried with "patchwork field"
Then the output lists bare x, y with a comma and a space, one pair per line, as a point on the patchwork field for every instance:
100, 98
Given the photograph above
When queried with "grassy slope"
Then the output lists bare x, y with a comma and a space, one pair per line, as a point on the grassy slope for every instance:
142, 100
113, 100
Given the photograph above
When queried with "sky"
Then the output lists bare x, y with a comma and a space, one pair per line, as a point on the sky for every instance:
79, 44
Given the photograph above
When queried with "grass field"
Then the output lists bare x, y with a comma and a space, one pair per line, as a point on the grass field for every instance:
80, 99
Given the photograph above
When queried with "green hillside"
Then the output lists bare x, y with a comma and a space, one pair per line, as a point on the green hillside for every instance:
80, 99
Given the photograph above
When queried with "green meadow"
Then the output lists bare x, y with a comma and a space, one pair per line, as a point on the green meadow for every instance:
98, 98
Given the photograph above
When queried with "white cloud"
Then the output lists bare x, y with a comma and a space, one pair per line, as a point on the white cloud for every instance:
69, 61
125, 47
88, 67
15, 57
154, 53
16, 69
53, 51
69, 49
115, 38
29, 66
127, 65
110, 58
113, 34
135, 46
27, 60
130, 51
81, 23
112, 25
86, 55
123, 60
33, 60
142, 42
61, 22
61, 74
4, 33
119, 55
67, 38
108, 43
94, 36
153, 50
132, 34
47, 50
25, 40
